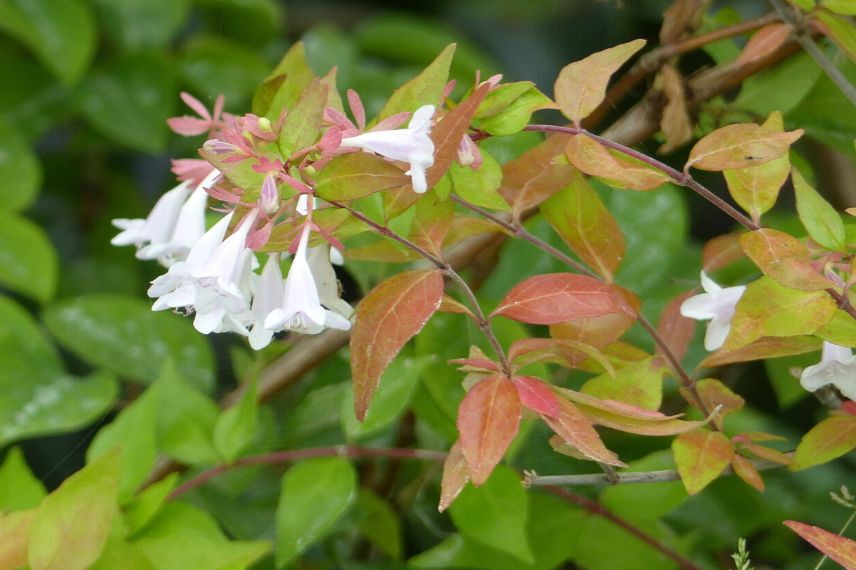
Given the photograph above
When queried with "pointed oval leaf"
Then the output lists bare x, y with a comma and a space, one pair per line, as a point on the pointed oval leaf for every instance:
59, 539
455, 477
721, 251
784, 258
767, 347
357, 174
831, 438
488, 419
616, 169
675, 329
302, 124
640, 384
700, 457
424, 89
315, 494
536, 395
764, 42
535, 175
583, 222
391, 314
740, 146
28, 258
744, 469
577, 431
839, 548
558, 297
820, 219
581, 85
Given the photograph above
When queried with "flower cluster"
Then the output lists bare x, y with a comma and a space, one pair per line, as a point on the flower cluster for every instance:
216, 274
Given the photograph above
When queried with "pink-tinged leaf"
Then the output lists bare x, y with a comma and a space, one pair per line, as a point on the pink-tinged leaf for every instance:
767, 308
450, 305
740, 146
432, 222
535, 175
581, 85
765, 41
839, 548
598, 331
455, 476
716, 394
391, 314
15, 537
616, 169
784, 258
721, 251
628, 418
700, 457
767, 453
577, 431
188, 126
578, 215
744, 469
476, 364
488, 419
357, 174
567, 353
675, 329
447, 133
768, 347
558, 297
831, 438
537, 395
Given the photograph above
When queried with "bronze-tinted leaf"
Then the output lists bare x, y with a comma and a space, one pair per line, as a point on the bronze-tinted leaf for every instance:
675, 121
537, 395
768, 347
487, 421
700, 457
839, 548
581, 86
784, 258
583, 222
675, 329
455, 476
721, 251
764, 42
577, 431
740, 146
831, 438
357, 174
536, 175
390, 315
557, 297
744, 469
616, 169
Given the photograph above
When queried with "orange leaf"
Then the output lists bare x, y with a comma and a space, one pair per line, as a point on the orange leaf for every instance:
488, 419
534, 176
838, 548
536, 395
746, 471
390, 315
581, 86
675, 121
700, 457
831, 438
583, 222
721, 251
617, 170
576, 430
432, 222
447, 133
767, 347
455, 476
765, 41
784, 258
557, 297
740, 146
450, 305
675, 329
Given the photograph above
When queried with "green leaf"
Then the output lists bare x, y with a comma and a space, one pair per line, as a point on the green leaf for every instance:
840, 30
602, 545
135, 24
844, 7
27, 257
185, 419
74, 521
767, 309
118, 553
31, 99
638, 383
303, 121
495, 514
315, 494
357, 174
183, 537
826, 114
235, 429
820, 219
424, 89
130, 100
282, 88
148, 503
20, 172
397, 385
779, 88
213, 66
124, 335
19, 488
379, 523
133, 431
508, 108
831, 438
480, 186
61, 34
700, 457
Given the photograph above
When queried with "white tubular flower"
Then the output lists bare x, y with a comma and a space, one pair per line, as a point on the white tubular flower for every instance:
301, 309
412, 145
837, 366
320, 263
716, 304
160, 223
267, 298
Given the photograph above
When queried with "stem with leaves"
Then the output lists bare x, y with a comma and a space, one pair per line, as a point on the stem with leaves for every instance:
481, 319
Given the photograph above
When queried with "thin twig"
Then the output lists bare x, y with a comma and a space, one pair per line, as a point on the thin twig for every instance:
596, 508
627, 477
816, 53
482, 320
